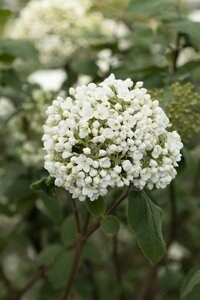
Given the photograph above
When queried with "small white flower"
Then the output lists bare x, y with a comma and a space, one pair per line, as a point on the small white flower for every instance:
84, 131
87, 150
101, 112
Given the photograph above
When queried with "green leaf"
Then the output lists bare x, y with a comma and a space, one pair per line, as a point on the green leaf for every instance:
49, 254
53, 207
190, 28
92, 252
144, 217
84, 66
46, 184
97, 207
68, 230
60, 270
19, 49
13, 170
110, 224
148, 7
9, 78
190, 288
4, 15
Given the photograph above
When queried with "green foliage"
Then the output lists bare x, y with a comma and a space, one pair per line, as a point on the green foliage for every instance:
19, 49
85, 66
4, 15
154, 42
68, 231
110, 224
60, 270
49, 254
190, 29
182, 105
149, 7
144, 217
191, 285
97, 207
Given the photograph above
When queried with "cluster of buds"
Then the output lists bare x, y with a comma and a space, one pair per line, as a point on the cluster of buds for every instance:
109, 135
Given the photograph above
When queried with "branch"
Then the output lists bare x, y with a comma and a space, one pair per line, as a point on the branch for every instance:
76, 216
32, 282
7, 284
91, 279
95, 226
83, 238
80, 244
174, 217
74, 268
116, 263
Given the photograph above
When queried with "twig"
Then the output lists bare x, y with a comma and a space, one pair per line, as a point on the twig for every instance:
173, 206
7, 284
195, 189
80, 244
95, 226
117, 267
33, 280
76, 216
86, 235
87, 220
74, 268
91, 279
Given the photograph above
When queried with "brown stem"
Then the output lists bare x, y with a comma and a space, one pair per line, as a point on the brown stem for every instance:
116, 263
195, 189
91, 279
76, 216
95, 226
86, 223
86, 235
74, 268
80, 244
7, 284
173, 207
33, 280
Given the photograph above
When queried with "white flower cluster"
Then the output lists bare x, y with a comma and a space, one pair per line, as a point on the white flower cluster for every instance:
57, 27
6, 108
109, 135
25, 128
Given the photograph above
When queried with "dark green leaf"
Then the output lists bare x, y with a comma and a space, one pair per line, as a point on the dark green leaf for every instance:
148, 7
19, 49
190, 289
4, 15
68, 230
110, 224
97, 207
9, 78
85, 66
53, 207
92, 252
190, 28
49, 254
144, 217
60, 270
46, 184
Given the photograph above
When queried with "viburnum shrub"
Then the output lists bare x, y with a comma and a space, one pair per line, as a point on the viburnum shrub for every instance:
106, 136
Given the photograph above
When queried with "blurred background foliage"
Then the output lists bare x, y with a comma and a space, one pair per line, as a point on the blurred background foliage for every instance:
156, 41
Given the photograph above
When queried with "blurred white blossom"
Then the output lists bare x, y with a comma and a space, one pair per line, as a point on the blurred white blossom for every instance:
58, 27
6, 108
